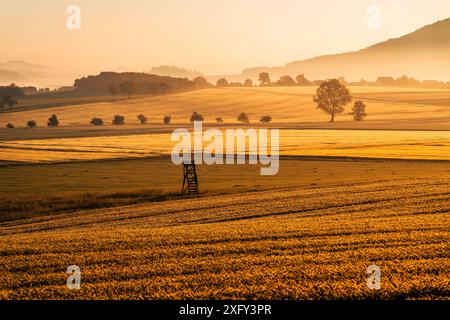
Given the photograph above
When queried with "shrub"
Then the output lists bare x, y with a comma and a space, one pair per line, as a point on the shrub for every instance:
167, 119
31, 124
118, 120
142, 119
10, 126
359, 111
53, 121
219, 120
265, 119
97, 121
196, 117
243, 118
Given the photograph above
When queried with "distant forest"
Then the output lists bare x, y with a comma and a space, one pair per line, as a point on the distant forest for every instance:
138, 83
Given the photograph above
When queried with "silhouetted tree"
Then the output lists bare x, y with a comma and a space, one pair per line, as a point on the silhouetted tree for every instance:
31, 124
10, 126
53, 121
219, 120
243, 118
222, 83
359, 111
196, 117
167, 119
264, 79
332, 97
286, 81
97, 121
118, 120
302, 81
142, 119
265, 119
9, 101
129, 88
113, 91
248, 83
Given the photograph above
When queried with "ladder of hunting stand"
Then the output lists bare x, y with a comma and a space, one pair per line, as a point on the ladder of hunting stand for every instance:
190, 180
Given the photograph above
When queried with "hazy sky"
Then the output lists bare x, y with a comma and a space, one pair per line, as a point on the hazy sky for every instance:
212, 36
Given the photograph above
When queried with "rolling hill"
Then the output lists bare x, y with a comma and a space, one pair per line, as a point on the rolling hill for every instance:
424, 54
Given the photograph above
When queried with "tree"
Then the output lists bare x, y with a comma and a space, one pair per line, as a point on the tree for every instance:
129, 88
9, 101
222, 83
196, 117
53, 121
113, 91
201, 82
359, 111
219, 120
167, 119
243, 118
266, 119
118, 120
286, 81
31, 124
302, 81
142, 119
332, 97
248, 83
10, 126
264, 79
97, 121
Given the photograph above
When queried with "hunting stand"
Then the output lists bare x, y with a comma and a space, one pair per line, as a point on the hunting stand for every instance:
190, 180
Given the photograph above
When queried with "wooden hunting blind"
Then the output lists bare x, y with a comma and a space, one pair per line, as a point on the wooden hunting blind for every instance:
190, 179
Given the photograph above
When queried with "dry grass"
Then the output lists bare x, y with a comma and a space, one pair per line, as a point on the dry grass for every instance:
311, 243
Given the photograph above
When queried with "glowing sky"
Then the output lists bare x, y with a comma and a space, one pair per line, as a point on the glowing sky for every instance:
213, 36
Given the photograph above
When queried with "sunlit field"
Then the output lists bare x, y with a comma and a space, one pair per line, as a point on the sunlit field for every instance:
298, 243
427, 108
423, 145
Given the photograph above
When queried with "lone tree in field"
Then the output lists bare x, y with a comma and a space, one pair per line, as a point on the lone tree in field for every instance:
118, 120
265, 119
359, 111
53, 121
264, 78
332, 97
142, 119
219, 120
167, 119
129, 88
196, 117
31, 124
222, 83
243, 118
97, 121
113, 91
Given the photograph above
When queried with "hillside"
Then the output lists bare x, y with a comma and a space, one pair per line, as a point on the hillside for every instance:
281, 244
424, 54
389, 107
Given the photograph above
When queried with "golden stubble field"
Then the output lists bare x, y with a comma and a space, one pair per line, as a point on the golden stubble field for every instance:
424, 108
295, 243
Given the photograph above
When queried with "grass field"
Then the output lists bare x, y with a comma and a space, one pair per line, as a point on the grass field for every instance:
422, 108
423, 145
309, 243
